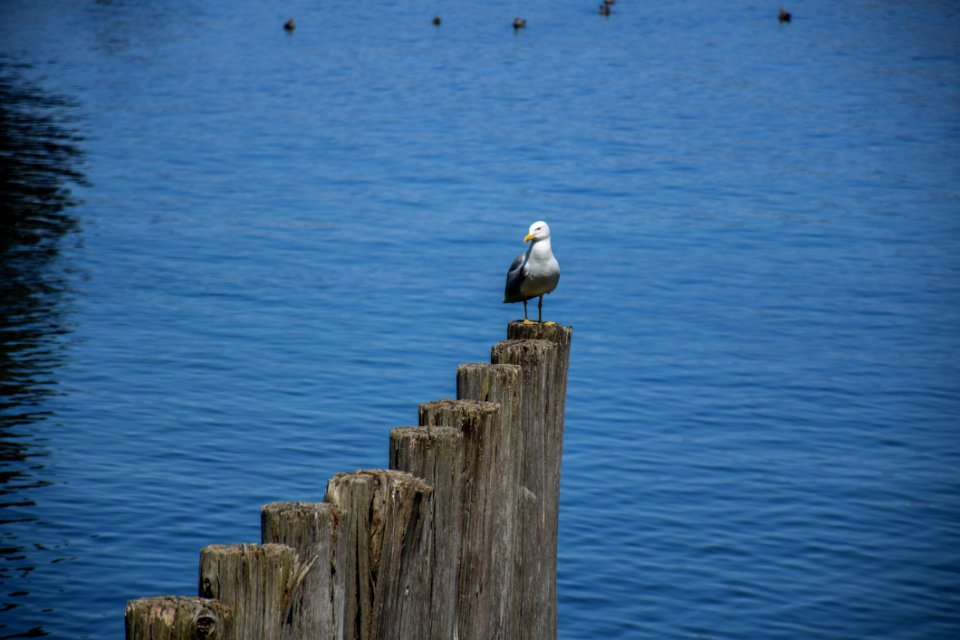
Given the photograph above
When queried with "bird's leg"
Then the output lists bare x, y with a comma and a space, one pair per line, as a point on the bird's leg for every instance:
540, 312
525, 319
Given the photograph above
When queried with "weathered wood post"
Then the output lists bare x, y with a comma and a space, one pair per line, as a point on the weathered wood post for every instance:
543, 353
436, 455
499, 384
482, 494
458, 541
255, 581
178, 618
386, 523
312, 530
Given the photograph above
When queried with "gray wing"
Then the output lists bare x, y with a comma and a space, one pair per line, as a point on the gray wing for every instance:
511, 292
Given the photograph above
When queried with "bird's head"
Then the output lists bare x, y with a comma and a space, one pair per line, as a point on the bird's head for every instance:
538, 231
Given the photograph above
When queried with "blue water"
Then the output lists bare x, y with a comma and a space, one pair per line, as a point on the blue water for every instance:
257, 252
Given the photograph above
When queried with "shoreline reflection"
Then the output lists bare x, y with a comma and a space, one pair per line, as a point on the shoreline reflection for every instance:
40, 160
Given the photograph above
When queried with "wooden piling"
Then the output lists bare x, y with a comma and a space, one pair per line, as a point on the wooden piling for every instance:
385, 520
311, 529
458, 541
255, 581
481, 561
542, 352
436, 455
178, 618
499, 384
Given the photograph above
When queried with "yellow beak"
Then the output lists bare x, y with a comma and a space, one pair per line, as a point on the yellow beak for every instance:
529, 237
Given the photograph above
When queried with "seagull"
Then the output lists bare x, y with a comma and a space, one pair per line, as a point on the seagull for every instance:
534, 273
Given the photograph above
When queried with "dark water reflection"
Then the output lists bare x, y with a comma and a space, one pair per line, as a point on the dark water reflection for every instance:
41, 159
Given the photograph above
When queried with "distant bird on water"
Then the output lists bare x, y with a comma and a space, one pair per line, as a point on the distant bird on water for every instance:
784, 15
534, 273
290, 25
519, 23
436, 21
604, 9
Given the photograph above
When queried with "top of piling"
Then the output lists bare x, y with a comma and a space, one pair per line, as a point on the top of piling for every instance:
556, 333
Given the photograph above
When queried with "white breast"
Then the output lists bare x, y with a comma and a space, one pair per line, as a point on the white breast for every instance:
542, 272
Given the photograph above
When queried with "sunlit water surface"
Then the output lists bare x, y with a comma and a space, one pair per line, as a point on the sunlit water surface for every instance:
235, 257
